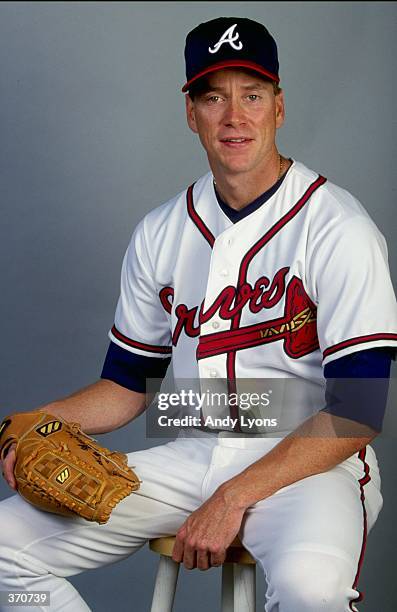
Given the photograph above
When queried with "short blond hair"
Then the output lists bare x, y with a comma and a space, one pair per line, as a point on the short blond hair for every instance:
276, 88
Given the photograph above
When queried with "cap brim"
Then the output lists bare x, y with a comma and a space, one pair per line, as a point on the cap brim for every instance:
232, 64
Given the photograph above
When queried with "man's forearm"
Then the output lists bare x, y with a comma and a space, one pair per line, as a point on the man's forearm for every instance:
100, 407
313, 448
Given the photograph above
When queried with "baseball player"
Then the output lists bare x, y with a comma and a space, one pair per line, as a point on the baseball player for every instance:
262, 269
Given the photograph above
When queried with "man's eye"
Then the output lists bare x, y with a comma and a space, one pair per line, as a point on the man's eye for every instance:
253, 97
213, 99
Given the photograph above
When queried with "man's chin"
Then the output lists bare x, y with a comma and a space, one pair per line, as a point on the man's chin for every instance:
232, 164
236, 168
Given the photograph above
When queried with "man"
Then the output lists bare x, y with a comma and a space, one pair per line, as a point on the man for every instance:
261, 270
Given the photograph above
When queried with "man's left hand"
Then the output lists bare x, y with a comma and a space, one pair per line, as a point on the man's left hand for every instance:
204, 537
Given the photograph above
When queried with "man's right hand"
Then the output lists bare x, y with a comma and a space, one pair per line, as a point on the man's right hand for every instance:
7, 467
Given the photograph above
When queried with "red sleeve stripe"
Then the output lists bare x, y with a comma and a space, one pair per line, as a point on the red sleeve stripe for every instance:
197, 220
151, 348
358, 340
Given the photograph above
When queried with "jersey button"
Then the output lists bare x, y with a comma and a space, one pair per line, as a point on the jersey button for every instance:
229, 242
224, 272
215, 325
213, 373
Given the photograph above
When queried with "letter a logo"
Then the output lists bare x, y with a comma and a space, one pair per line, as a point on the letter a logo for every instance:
228, 37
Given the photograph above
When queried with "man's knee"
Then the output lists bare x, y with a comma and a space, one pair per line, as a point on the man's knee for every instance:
303, 581
21, 531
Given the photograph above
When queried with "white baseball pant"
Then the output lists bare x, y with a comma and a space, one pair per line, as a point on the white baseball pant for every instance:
308, 538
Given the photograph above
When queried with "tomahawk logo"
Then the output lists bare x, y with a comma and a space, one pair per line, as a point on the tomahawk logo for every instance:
228, 37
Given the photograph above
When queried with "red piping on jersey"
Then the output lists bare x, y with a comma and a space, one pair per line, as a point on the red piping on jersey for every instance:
231, 357
152, 348
197, 220
362, 482
276, 228
358, 340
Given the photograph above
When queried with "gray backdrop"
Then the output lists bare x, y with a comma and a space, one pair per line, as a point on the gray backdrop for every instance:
93, 136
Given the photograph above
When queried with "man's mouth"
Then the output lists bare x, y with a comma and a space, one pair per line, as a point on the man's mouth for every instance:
238, 140
236, 143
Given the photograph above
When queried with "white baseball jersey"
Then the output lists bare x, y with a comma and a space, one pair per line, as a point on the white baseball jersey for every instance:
299, 282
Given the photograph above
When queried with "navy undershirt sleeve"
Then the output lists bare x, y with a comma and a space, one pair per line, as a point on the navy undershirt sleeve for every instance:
362, 400
131, 370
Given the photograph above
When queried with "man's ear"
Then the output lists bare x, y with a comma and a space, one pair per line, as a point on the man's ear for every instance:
280, 109
190, 114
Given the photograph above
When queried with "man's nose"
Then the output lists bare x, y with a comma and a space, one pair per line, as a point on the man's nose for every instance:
234, 114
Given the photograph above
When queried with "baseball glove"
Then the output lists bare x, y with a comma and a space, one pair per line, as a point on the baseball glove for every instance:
62, 470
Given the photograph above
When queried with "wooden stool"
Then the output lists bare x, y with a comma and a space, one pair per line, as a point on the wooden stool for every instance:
238, 578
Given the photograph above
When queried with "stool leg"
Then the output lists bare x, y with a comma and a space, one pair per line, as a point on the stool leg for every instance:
165, 586
238, 588
227, 587
244, 588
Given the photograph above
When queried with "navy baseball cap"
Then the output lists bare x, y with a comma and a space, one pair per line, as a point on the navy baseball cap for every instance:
228, 42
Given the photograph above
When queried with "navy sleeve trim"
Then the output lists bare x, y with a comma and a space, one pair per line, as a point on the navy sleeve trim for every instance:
131, 370
357, 386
